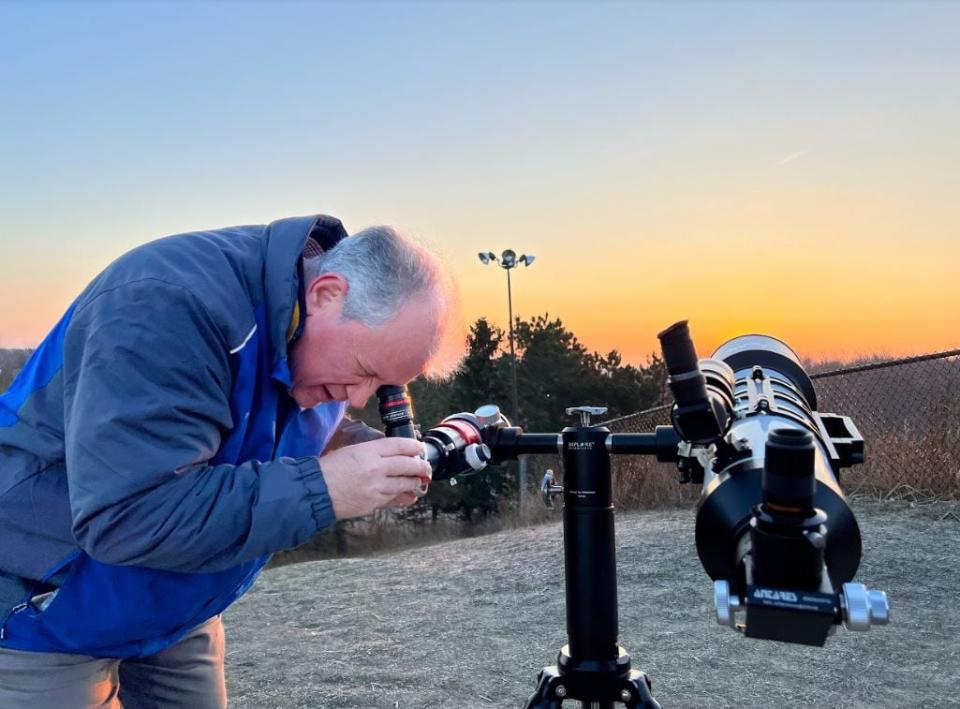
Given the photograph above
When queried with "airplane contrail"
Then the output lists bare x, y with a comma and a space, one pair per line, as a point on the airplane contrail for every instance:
793, 156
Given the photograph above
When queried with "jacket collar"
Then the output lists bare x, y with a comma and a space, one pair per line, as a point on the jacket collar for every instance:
285, 240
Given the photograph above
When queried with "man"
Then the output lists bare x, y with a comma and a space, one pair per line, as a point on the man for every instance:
168, 436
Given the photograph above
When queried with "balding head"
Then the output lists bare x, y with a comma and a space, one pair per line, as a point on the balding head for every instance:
380, 310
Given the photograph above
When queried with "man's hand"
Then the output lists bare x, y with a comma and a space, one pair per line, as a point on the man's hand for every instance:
370, 476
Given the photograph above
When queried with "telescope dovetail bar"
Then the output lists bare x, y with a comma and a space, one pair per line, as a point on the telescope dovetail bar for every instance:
773, 529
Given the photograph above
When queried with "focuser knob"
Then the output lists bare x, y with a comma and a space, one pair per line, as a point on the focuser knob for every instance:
477, 455
726, 603
585, 412
863, 607
488, 415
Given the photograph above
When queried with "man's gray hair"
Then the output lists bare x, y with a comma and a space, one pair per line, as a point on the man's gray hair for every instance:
382, 267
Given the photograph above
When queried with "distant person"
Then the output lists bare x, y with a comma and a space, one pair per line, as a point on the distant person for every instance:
169, 435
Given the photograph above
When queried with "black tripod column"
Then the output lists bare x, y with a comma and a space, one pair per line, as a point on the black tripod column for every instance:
592, 668
589, 552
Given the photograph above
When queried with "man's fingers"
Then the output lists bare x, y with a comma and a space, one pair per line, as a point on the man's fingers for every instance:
403, 485
402, 465
388, 447
404, 500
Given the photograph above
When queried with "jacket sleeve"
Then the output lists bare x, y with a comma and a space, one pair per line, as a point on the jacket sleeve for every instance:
146, 402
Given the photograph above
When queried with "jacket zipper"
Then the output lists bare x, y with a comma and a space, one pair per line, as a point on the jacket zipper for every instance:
16, 609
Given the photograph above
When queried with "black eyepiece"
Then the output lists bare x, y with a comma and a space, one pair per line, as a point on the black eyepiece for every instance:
789, 478
396, 412
679, 354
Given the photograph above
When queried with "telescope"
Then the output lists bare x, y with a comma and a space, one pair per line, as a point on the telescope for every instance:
773, 529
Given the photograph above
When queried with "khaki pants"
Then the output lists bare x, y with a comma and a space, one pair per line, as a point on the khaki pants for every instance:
187, 675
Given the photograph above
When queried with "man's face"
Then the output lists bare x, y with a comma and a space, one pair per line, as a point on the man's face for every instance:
336, 359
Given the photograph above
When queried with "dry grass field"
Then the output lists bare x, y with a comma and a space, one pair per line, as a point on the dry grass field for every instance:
468, 624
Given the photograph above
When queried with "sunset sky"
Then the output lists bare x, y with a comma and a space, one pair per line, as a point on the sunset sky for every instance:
792, 169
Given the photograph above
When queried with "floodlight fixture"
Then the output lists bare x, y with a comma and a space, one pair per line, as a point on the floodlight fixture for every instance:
508, 261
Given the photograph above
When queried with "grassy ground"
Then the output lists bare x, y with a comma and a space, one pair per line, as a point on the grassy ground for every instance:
469, 623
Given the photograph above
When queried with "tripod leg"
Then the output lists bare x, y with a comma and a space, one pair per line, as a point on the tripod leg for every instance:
545, 697
638, 685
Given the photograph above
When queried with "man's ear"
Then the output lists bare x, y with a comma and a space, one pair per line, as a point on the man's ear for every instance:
325, 291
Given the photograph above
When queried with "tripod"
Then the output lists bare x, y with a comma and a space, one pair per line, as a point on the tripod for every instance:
591, 668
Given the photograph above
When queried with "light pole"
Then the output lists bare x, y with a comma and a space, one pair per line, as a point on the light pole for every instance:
508, 261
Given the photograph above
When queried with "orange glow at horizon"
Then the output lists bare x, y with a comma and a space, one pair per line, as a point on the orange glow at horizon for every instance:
834, 276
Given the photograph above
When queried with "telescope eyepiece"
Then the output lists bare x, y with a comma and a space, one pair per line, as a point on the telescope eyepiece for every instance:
703, 405
396, 411
679, 354
789, 477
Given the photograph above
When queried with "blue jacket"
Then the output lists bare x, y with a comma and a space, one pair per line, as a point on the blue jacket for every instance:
151, 458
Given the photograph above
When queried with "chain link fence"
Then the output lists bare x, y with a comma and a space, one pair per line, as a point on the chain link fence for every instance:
908, 411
